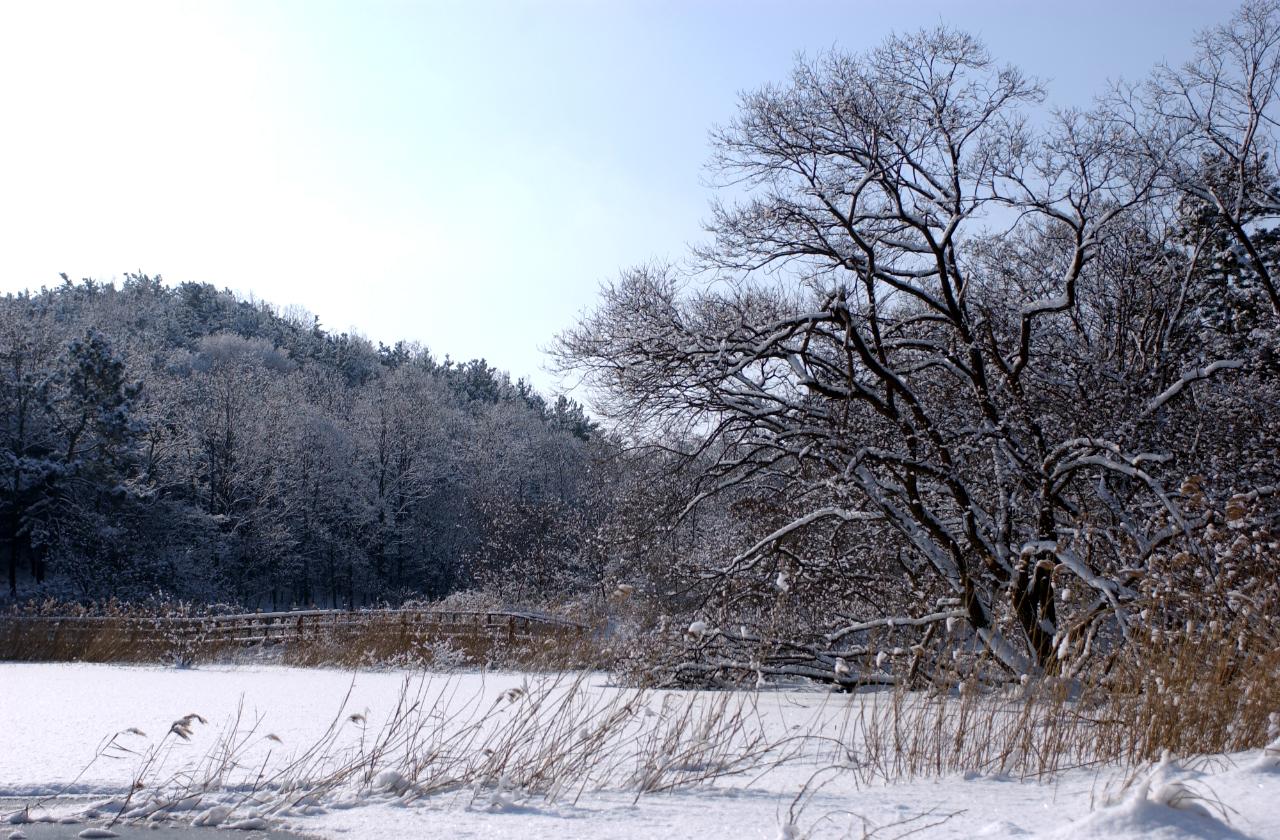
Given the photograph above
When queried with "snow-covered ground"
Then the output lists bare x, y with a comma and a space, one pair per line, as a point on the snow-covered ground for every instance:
55, 717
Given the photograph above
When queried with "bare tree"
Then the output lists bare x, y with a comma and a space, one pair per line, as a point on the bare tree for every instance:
858, 355
1211, 123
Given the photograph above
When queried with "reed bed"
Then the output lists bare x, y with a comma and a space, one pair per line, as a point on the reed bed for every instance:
1200, 691
548, 740
404, 638
1194, 690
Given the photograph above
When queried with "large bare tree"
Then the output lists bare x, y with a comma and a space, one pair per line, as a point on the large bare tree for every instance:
899, 334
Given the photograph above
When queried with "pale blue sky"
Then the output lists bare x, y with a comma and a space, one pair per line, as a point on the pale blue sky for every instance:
461, 174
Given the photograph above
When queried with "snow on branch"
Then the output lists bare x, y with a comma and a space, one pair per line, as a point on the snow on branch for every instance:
1187, 378
794, 525
897, 621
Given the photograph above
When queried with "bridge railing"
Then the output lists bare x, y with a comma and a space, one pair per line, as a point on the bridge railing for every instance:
103, 638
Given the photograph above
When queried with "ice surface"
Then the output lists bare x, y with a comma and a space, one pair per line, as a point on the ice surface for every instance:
54, 716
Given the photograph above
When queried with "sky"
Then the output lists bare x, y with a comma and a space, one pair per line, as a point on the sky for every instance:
461, 174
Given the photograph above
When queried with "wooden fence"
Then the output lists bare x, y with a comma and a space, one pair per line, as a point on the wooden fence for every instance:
29, 637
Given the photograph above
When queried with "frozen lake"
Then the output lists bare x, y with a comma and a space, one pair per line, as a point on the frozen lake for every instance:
56, 717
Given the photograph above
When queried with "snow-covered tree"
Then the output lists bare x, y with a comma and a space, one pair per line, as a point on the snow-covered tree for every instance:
917, 337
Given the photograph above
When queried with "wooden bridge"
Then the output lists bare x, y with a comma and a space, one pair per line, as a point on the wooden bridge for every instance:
372, 633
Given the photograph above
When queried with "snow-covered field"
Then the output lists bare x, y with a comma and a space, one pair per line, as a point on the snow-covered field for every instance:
55, 717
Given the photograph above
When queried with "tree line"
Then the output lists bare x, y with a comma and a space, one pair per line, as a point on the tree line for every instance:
177, 439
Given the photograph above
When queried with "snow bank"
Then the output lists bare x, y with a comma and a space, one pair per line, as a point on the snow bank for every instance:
54, 716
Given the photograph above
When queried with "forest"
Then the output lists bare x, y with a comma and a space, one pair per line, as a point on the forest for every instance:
174, 440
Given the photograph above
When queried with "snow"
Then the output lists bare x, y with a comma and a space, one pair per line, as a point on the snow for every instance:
54, 717
213, 817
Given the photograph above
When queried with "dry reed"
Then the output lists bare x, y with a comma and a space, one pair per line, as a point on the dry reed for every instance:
545, 741
1202, 691
181, 635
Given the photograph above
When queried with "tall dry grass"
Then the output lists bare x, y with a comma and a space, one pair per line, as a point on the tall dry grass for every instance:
184, 635
1205, 690
111, 631
1202, 691
548, 740
396, 639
